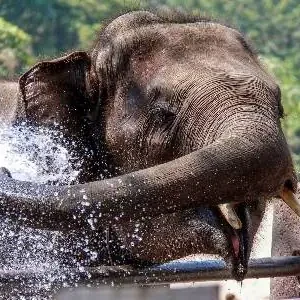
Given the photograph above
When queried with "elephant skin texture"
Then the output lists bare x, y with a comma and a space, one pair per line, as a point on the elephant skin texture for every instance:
181, 117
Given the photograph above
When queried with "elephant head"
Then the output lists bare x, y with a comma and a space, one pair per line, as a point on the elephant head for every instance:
187, 116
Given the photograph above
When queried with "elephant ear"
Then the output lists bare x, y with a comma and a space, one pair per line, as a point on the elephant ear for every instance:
61, 91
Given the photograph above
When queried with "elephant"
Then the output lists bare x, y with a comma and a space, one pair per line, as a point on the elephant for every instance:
184, 124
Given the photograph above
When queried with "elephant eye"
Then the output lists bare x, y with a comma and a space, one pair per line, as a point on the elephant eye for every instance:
162, 113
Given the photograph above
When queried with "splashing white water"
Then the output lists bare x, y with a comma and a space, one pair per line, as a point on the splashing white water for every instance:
37, 155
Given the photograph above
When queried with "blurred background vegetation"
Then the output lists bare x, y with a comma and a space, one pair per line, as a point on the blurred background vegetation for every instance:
34, 29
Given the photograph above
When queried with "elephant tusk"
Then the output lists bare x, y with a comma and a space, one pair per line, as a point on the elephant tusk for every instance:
291, 200
230, 215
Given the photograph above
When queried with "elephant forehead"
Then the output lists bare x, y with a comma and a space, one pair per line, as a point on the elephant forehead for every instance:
207, 49
193, 77
173, 42
180, 36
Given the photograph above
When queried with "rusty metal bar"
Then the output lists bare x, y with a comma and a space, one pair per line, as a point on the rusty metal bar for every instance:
180, 271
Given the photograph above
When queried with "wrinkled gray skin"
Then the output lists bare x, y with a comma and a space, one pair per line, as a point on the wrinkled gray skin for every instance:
183, 112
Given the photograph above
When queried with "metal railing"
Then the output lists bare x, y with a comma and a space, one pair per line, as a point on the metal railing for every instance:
179, 271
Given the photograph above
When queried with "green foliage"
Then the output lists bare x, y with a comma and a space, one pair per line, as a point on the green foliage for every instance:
90, 14
12, 36
57, 26
288, 79
272, 24
49, 23
15, 48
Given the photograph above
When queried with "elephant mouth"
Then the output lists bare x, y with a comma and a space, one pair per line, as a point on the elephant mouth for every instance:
239, 243
240, 259
221, 241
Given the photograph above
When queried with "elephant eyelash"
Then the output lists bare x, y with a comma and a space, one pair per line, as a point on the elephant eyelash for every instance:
163, 112
155, 94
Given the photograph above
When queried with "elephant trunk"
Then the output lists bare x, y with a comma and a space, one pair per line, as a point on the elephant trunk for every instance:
248, 161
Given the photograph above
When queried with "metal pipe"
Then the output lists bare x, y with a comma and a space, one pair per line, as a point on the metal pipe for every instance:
180, 271
188, 271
